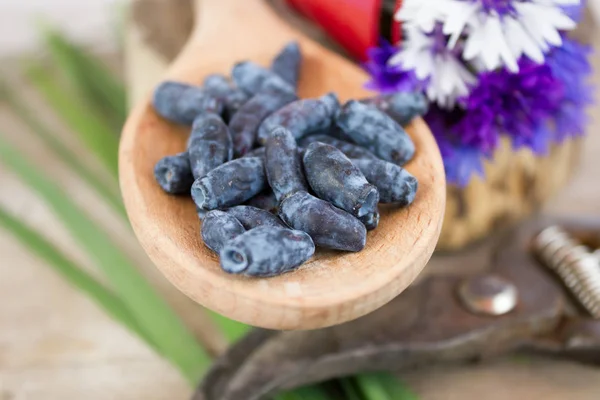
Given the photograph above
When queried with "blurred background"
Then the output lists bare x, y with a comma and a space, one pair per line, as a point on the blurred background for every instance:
68, 329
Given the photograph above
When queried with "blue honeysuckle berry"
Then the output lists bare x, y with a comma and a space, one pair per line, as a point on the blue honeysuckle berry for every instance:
328, 226
218, 228
302, 117
230, 184
395, 184
283, 164
181, 103
209, 144
334, 178
376, 131
266, 251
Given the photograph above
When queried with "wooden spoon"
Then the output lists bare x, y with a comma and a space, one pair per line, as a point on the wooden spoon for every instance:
331, 288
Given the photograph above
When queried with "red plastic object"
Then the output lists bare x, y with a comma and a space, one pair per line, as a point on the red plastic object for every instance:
396, 26
352, 23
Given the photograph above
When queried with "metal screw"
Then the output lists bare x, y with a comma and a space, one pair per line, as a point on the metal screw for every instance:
578, 268
488, 295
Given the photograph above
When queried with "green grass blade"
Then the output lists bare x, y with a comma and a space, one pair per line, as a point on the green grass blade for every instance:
230, 329
96, 83
76, 276
349, 388
371, 387
98, 136
395, 388
305, 393
17, 106
151, 312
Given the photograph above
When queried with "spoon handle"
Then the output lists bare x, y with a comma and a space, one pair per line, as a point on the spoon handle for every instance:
231, 17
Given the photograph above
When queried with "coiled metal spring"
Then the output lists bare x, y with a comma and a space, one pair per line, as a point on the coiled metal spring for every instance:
578, 268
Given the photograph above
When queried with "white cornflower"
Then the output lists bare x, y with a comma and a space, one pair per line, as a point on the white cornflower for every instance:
498, 32
428, 55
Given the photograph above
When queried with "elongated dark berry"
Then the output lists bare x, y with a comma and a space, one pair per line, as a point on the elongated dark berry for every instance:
232, 97
334, 178
218, 228
327, 225
245, 123
349, 149
287, 63
252, 217
265, 201
258, 152
209, 144
395, 184
173, 174
283, 164
253, 79
201, 213
266, 251
302, 117
230, 184
401, 106
182, 103
376, 131
370, 220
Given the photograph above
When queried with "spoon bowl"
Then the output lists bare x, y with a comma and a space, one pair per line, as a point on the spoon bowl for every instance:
332, 287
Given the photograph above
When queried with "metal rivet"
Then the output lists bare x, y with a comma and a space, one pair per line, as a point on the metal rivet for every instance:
488, 295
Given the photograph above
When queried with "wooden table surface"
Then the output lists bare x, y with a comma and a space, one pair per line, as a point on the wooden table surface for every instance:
55, 344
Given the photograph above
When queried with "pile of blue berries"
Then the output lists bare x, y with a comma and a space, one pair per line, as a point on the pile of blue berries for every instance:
274, 176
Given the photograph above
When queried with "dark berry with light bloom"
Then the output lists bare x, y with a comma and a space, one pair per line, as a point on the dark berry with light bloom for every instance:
394, 183
401, 106
328, 226
230, 184
302, 117
253, 79
371, 220
283, 164
209, 144
266, 251
258, 152
245, 123
182, 103
287, 63
232, 97
265, 200
201, 213
334, 178
174, 174
252, 217
219, 228
349, 149
376, 131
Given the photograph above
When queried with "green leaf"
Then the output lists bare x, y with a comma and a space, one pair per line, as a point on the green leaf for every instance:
371, 387
395, 388
305, 393
151, 312
76, 276
98, 136
232, 330
96, 84
349, 389
109, 193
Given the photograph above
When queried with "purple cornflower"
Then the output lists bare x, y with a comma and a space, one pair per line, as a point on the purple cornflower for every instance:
387, 78
461, 161
570, 65
506, 103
